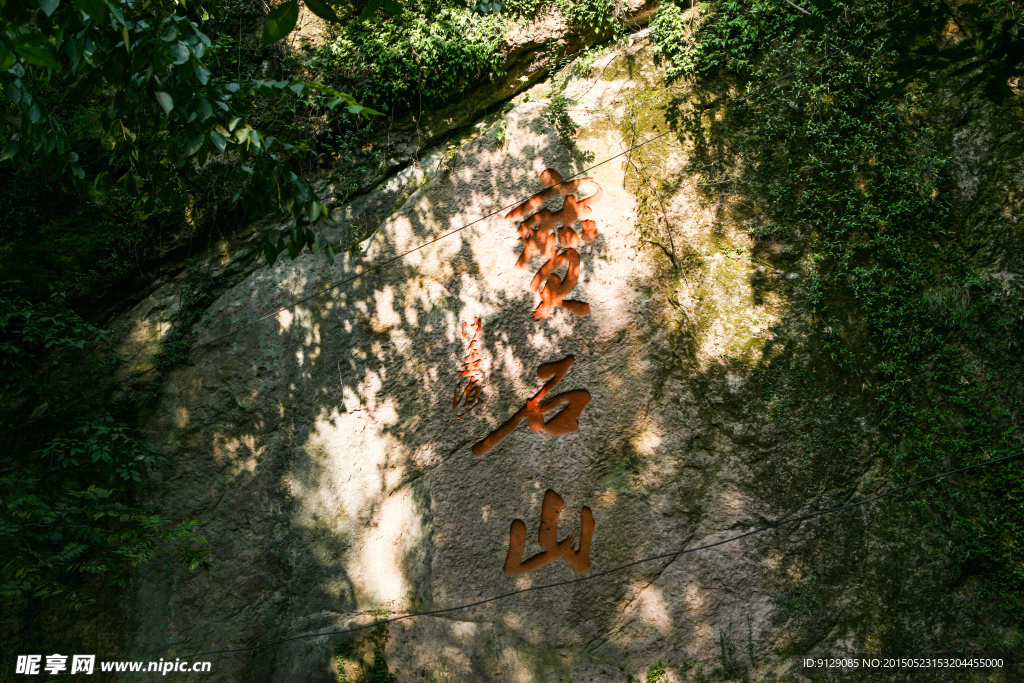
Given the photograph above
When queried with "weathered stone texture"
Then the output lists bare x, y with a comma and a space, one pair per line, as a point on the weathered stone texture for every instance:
320, 452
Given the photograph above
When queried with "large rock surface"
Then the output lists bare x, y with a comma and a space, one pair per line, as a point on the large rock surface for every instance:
321, 454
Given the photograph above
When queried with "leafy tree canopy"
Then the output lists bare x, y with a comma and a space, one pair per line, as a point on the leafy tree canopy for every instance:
165, 112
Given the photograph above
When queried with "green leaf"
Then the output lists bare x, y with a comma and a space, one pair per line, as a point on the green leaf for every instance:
322, 10
127, 42
202, 73
218, 141
280, 21
179, 53
9, 150
115, 9
103, 183
39, 55
165, 101
371, 7
48, 6
194, 146
363, 111
392, 7
95, 9
270, 253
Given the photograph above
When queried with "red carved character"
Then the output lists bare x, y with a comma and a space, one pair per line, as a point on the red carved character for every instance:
564, 422
550, 234
467, 398
547, 538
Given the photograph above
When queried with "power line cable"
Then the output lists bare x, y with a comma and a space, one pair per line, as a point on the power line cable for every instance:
673, 555
388, 261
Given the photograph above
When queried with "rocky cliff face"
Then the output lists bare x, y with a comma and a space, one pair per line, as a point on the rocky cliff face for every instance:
328, 451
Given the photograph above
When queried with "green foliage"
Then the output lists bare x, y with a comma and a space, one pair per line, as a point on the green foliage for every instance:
196, 297
66, 514
55, 538
379, 671
525, 9
987, 47
100, 442
35, 342
557, 114
672, 35
57, 239
501, 135
423, 56
804, 601
59, 527
389, 6
165, 113
595, 16
280, 21
857, 189
732, 32
730, 666
376, 670
656, 672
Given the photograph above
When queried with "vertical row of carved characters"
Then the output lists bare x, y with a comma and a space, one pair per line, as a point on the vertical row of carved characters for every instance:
564, 422
547, 538
551, 234
467, 398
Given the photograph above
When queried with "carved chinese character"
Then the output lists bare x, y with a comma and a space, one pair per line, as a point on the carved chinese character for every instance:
556, 188
550, 234
533, 412
467, 398
553, 289
547, 538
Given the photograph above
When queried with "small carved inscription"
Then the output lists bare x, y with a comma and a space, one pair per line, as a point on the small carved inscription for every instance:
550, 234
564, 422
547, 537
468, 397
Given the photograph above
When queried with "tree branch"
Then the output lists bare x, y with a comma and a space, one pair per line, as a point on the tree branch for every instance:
798, 7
